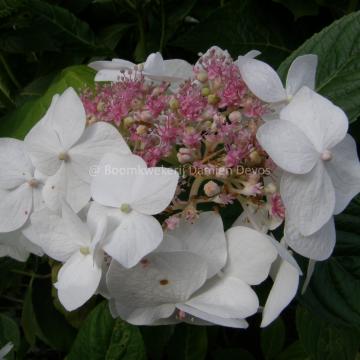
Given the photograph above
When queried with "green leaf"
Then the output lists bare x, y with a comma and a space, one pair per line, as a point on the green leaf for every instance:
103, 338
17, 123
189, 342
273, 339
232, 354
54, 329
111, 35
334, 290
237, 27
9, 332
28, 320
62, 23
323, 341
156, 339
300, 8
294, 352
338, 74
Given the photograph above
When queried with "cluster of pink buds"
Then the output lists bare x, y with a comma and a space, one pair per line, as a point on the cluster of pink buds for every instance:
206, 126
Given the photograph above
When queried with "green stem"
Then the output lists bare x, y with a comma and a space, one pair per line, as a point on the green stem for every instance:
31, 274
9, 71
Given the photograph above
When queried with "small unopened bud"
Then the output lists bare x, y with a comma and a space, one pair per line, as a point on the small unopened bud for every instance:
235, 116
202, 76
185, 155
100, 106
141, 130
255, 157
211, 188
270, 188
213, 99
146, 116
128, 121
174, 104
205, 91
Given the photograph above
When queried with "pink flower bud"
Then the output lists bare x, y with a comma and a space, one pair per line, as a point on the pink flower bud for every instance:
211, 188
185, 155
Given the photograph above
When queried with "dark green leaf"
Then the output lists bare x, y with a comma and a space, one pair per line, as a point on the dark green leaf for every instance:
273, 339
19, 122
334, 290
156, 339
237, 27
111, 35
232, 354
338, 75
189, 342
62, 23
103, 338
28, 320
56, 331
300, 8
9, 332
323, 341
294, 352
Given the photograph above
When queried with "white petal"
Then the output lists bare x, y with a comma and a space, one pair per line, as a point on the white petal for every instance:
109, 75
69, 118
78, 280
13, 244
178, 68
321, 121
97, 212
252, 54
154, 64
301, 73
262, 80
212, 319
250, 254
153, 191
205, 238
115, 64
287, 146
173, 70
142, 316
284, 254
6, 349
228, 297
282, 292
318, 246
344, 172
15, 207
135, 237
58, 237
66, 185
97, 140
309, 199
114, 181
124, 179
161, 278
44, 148
15, 164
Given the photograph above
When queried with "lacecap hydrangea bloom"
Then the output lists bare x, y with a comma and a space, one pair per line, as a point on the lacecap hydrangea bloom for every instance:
125, 186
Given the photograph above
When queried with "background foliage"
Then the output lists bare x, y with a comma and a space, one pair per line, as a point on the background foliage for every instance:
42, 46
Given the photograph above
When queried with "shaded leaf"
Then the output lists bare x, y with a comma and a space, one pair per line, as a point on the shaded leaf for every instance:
273, 339
103, 338
189, 342
323, 341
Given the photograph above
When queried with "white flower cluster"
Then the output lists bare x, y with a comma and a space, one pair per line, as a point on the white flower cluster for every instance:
102, 228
